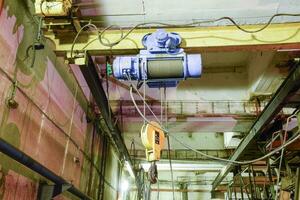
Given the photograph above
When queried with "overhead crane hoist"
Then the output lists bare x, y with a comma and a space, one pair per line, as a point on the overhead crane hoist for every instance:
162, 64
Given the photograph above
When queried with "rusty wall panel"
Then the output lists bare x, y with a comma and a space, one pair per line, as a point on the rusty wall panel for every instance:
49, 123
18, 187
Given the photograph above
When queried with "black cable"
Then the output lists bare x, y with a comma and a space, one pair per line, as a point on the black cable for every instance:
193, 24
132, 148
123, 36
245, 30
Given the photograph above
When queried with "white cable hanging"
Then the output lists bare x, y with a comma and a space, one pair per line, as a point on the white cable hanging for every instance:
197, 151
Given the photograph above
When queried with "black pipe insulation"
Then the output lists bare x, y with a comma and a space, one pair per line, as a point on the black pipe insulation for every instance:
35, 166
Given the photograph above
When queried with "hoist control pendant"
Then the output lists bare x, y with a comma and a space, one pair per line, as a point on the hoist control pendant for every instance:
153, 139
162, 64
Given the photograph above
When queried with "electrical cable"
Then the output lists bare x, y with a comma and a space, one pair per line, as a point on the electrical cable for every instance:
132, 148
192, 24
79, 32
147, 105
33, 47
144, 97
209, 156
123, 36
245, 30
33, 57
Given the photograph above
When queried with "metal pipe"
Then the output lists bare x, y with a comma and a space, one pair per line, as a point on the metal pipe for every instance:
250, 182
29, 162
184, 191
242, 190
297, 186
254, 183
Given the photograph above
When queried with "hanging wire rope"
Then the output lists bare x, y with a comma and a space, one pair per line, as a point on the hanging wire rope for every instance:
297, 136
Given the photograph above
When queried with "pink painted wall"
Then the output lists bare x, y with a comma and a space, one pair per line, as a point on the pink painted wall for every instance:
49, 123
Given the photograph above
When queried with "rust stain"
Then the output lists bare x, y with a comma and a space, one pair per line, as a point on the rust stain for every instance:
1, 6
39, 126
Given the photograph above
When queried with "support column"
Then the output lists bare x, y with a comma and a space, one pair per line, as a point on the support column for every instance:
184, 193
297, 186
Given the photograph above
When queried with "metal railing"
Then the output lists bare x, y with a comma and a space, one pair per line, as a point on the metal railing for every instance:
126, 107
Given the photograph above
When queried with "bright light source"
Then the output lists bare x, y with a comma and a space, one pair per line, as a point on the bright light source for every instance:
185, 166
124, 185
129, 169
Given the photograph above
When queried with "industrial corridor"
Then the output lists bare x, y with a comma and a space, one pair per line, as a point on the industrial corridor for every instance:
149, 100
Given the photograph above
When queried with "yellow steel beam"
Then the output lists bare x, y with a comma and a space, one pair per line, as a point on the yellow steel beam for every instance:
222, 38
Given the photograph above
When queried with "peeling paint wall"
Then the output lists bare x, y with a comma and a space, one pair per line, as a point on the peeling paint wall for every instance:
49, 121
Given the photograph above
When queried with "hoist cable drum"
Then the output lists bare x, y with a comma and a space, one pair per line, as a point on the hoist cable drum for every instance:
162, 69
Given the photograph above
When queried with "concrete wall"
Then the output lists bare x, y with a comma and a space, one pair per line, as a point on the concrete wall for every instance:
49, 123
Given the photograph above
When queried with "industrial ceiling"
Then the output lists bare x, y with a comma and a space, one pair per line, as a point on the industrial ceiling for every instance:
243, 70
132, 12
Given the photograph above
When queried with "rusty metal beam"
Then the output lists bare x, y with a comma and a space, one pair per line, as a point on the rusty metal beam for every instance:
289, 86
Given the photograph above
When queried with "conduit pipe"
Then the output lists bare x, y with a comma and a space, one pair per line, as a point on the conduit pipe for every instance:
35, 166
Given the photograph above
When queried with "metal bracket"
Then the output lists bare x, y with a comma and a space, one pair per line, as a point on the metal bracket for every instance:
48, 192
78, 57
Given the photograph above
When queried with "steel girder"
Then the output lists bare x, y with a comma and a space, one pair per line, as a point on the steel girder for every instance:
290, 85
91, 76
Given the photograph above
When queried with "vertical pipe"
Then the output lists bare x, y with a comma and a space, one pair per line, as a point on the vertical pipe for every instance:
92, 161
297, 186
229, 192
271, 185
184, 193
250, 182
234, 189
242, 190
242, 181
254, 183
103, 166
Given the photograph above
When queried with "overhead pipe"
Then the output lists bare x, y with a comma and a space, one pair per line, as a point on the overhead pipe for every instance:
35, 166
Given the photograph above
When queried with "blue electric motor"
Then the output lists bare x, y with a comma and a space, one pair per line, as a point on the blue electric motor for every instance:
162, 64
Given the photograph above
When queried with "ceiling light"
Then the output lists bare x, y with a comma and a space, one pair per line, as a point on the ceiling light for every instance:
129, 169
124, 185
